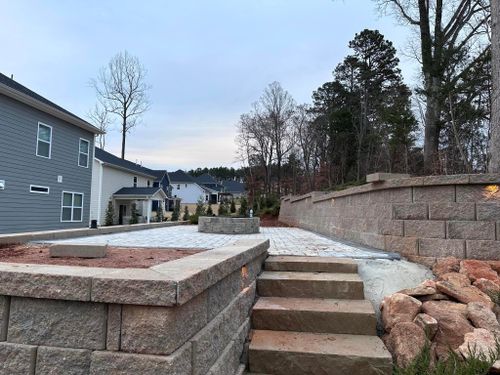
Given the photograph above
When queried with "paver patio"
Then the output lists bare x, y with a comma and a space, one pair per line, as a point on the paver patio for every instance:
289, 241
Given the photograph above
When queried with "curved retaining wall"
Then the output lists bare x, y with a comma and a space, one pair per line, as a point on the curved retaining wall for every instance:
422, 218
228, 225
189, 316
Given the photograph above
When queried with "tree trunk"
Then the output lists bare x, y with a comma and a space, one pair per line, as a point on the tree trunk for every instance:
432, 114
494, 146
124, 134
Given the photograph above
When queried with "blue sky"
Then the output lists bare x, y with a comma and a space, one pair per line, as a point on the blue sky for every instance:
207, 61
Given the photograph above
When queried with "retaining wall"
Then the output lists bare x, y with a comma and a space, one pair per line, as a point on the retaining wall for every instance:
189, 316
228, 225
422, 218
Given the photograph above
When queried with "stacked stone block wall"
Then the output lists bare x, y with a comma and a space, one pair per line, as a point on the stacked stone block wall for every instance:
228, 225
203, 330
420, 217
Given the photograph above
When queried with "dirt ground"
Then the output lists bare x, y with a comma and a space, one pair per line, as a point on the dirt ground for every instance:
272, 221
117, 257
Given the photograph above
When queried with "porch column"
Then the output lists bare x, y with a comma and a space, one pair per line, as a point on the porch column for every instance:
149, 209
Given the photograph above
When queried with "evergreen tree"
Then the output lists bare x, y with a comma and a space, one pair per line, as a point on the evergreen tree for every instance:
223, 210
134, 215
185, 217
110, 214
200, 207
255, 208
209, 212
233, 207
243, 207
177, 210
159, 212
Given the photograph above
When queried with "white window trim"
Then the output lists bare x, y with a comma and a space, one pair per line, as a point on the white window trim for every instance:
40, 192
72, 207
41, 140
79, 152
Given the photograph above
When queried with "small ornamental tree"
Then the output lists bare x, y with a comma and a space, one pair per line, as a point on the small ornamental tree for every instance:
185, 217
243, 207
159, 212
200, 207
176, 212
110, 214
233, 207
210, 212
223, 211
134, 215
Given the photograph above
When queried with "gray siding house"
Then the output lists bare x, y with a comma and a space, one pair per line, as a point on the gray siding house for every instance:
46, 158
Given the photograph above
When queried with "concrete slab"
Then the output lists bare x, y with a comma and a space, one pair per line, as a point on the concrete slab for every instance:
77, 250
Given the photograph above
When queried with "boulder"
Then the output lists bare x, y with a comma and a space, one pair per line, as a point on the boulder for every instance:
486, 286
398, 308
428, 324
495, 265
407, 340
452, 324
459, 279
428, 287
480, 341
464, 294
434, 297
481, 316
478, 269
445, 265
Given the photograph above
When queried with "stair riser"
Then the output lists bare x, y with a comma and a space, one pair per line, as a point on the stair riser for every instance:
314, 321
310, 289
286, 363
311, 267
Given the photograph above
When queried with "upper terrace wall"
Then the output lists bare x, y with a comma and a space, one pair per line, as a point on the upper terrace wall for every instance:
433, 216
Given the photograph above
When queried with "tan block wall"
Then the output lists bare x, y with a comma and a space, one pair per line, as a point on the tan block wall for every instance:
431, 217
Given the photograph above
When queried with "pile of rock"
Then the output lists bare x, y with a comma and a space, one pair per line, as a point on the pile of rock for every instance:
454, 311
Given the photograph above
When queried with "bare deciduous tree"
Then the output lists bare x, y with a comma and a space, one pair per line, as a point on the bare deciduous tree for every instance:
99, 116
122, 89
494, 165
448, 31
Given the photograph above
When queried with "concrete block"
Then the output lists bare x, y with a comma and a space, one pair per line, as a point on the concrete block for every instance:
451, 211
472, 230
485, 178
77, 250
141, 325
134, 286
401, 245
114, 327
17, 359
56, 361
398, 195
374, 240
117, 363
79, 325
445, 193
379, 177
4, 316
424, 228
477, 193
390, 227
488, 211
221, 294
446, 180
483, 249
440, 248
412, 211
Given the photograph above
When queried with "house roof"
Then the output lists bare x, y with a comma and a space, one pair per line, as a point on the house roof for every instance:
205, 178
159, 173
180, 176
123, 164
139, 192
234, 186
21, 93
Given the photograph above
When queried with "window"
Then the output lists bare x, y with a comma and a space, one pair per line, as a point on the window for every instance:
149, 183
72, 207
44, 141
178, 187
39, 189
83, 154
135, 181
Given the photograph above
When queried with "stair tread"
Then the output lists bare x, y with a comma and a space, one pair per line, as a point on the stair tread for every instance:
315, 305
309, 276
303, 259
319, 343
310, 264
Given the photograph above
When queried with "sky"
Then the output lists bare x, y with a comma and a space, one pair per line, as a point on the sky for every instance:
206, 61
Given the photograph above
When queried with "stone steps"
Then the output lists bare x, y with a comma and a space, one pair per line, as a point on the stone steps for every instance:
355, 317
310, 264
301, 353
311, 318
310, 285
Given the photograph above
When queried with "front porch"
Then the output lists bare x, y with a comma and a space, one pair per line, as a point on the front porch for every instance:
126, 199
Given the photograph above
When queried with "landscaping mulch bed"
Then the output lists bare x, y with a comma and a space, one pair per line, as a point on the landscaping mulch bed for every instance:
117, 257
272, 221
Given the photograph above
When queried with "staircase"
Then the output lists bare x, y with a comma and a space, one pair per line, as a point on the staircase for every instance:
311, 318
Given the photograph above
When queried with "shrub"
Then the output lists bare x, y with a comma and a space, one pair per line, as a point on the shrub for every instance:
243, 207
223, 210
134, 215
185, 217
193, 219
159, 212
209, 212
177, 211
232, 209
255, 208
200, 207
110, 214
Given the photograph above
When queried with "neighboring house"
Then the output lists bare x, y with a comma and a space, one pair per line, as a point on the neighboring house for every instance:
213, 190
124, 183
45, 162
235, 188
163, 182
186, 188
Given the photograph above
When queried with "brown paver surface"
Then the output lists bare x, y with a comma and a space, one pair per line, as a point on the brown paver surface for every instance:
117, 257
